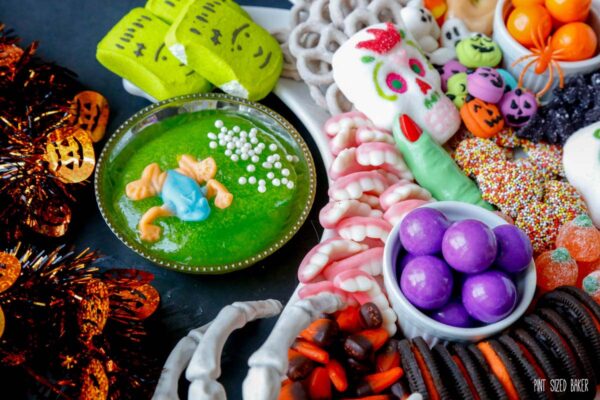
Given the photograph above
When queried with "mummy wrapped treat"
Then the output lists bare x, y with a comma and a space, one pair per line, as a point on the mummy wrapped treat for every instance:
581, 160
432, 166
227, 48
423, 27
383, 72
135, 50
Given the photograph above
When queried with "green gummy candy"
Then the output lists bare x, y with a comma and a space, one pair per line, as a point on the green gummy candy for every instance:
168, 10
135, 50
435, 170
457, 89
228, 49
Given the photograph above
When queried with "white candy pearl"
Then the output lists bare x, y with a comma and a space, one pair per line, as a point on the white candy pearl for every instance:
285, 172
290, 185
289, 157
276, 182
242, 180
272, 147
278, 165
255, 159
262, 189
251, 168
235, 157
252, 180
228, 152
222, 142
212, 136
267, 165
224, 129
213, 145
270, 175
236, 129
253, 140
230, 145
262, 182
244, 156
284, 181
218, 123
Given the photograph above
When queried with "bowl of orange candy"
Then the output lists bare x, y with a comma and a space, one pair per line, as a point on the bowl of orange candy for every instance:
544, 41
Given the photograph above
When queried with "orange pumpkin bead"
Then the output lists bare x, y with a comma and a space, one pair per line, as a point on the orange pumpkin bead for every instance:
525, 22
482, 119
577, 41
569, 10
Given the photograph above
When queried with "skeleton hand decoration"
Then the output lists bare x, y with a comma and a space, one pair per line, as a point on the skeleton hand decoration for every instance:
200, 351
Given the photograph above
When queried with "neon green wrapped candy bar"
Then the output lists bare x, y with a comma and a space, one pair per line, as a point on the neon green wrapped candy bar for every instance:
168, 10
134, 49
228, 49
432, 166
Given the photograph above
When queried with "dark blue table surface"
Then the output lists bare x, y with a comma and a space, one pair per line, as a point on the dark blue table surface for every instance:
68, 31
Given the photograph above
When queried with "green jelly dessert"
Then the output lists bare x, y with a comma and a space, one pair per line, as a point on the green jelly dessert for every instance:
168, 10
135, 50
227, 48
265, 173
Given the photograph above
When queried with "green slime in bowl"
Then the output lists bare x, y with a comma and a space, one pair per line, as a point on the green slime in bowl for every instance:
252, 223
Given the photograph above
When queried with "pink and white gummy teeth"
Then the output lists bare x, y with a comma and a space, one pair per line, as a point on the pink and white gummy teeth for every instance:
313, 289
400, 191
361, 228
335, 211
367, 157
324, 253
369, 261
353, 186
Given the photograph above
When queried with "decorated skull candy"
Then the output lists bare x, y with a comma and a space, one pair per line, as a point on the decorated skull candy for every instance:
486, 84
518, 107
383, 72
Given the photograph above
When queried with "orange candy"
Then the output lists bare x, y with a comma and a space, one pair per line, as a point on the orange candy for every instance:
577, 40
555, 268
519, 3
525, 21
569, 10
581, 238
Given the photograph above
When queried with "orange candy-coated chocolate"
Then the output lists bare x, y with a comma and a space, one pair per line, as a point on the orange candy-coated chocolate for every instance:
581, 238
319, 386
575, 41
569, 10
555, 268
525, 22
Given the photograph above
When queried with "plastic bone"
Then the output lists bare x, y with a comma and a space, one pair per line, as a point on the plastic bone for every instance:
200, 351
268, 365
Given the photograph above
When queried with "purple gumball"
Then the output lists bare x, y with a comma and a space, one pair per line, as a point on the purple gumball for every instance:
486, 84
514, 249
427, 282
518, 107
405, 259
453, 314
450, 69
469, 246
489, 296
422, 230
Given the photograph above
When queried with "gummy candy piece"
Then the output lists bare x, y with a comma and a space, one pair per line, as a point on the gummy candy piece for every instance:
134, 49
591, 284
586, 268
555, 268
581, 238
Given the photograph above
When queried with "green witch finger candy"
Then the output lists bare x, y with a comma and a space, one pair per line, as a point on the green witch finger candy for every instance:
135, 50
432, 166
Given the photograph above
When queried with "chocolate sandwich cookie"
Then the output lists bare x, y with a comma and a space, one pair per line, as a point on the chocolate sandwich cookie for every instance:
458, 387
570, 336
546, 365
411, 369
429, 369
586, 300
525, 369
554, 346
580, 319
470, 369
495, 388
504, 368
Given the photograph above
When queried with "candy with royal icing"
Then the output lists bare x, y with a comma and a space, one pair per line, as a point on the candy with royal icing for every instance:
382, 70
227, 48
432, 166
486, 84
581, 160
478, 51
134, 49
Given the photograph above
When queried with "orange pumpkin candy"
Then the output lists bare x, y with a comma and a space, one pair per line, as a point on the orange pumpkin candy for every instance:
482, 119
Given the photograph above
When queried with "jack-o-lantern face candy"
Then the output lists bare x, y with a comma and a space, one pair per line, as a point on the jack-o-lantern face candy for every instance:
383, 72
481, 119
518, 107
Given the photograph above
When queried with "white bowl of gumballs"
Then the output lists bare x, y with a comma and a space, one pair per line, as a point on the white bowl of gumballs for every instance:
457, 272
544, 40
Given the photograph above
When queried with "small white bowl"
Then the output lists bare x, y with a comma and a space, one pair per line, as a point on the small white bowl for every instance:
513, 50
415, 323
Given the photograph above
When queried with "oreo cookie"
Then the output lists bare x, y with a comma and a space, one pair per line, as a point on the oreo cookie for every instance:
538, 358
585, 299
579, 349
411, 369
430, 369
553, 345
472, 370
524, 369
496, 390
503, 368
580, 319
458, 386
